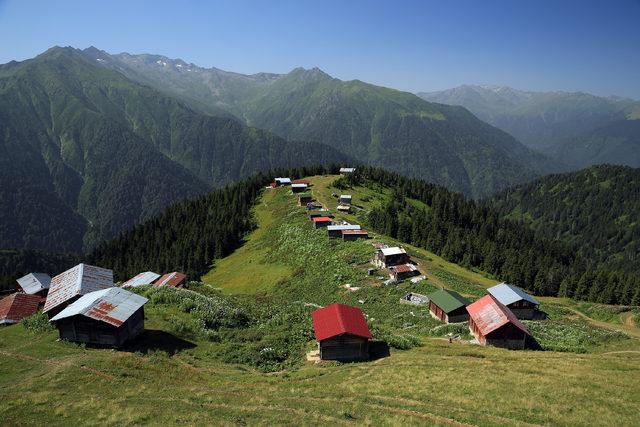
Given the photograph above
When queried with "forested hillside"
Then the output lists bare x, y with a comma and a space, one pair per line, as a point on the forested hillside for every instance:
87, 153
379, 126
596, 210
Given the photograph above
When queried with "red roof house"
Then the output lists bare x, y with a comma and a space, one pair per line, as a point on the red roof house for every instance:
321, 221
175, 280
493, 323
15, 307
342, 333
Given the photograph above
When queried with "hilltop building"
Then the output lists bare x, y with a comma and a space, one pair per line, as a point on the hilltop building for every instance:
304, 199
403, 271
492, 323
321, 221
448, 306
350, 235
342, 333
298, 188
345, 171
345, 199
523, 305
335, 231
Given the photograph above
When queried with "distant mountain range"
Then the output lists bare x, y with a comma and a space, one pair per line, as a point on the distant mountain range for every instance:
578, 129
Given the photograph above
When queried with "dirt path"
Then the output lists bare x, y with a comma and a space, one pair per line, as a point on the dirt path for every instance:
628, 319
631, 330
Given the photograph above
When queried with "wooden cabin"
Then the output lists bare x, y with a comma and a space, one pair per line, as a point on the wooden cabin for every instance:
345, 199
175, 279
492, 323
448, 306
34, 284
346, 171
335, 231
70, 285
342, 333
109, 317
279, 182
146, 278
321, 221
403, 271
523, 305
301, 181
18, 306
298, 188
388, 257
304, 199
350, 235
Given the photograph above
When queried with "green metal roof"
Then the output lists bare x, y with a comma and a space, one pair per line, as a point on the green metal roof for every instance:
448, 300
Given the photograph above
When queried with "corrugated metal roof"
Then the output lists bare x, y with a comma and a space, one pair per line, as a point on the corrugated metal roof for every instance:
174, 279
358, 232
113, 306
321, 219
79, 280
33, 283
489, 314
347, 170
345, 196
300, 181
343, 227
508, 294
145, 278
15, 307
283, 180
393, 251
298, 185
404, 268
448, 300
339, 319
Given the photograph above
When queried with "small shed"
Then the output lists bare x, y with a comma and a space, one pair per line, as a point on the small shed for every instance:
345, 199
344, 208
350, 235
342, 333
345, 171
18, 306
523, 305
335, 231
175, 279
34, 284
415, 299
301, 181
403, 271
108, 317
388, 257
321, 221
448, 306
313, 206
492, 323
298, 188
70, 285
282, 181
145, 278
304, 199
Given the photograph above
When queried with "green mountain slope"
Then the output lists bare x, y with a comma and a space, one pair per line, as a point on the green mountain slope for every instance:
99, 153
578, 129
381, 126
597, 210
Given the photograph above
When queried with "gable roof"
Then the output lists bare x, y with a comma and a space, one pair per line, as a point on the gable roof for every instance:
299, 185
404, 268
355, 232
345, 196
15, 307
113, 306
79, 280
343, 227
321, 219
34, 282
283, 180
489, 314
508, 294
347, 170
393, 251
448, 300
339, 319
174, 279
145, 278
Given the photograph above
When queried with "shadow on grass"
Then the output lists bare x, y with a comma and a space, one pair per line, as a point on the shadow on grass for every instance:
152, 340
378, 350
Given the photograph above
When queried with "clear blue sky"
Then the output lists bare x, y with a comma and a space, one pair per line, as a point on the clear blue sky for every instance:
592, 46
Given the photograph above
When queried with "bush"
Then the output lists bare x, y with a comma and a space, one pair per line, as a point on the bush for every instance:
38, 323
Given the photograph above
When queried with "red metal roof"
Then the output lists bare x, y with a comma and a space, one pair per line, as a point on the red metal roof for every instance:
404, 268
16, 307
488, 315
300, 181
321, 219
364, 232
339, 319
175, 279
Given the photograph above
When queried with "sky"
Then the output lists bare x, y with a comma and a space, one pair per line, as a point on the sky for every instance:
590, 46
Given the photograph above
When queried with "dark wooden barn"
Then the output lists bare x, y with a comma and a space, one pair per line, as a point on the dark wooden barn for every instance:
354, 234
342, 333
492, 323
109, 317
321, 221
523, 305
448, 306
304, 199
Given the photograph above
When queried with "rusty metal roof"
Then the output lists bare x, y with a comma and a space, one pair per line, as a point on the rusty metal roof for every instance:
404, 268
175, 279
15, 307
489, 314
358, 232
79, 280
145, 278
113, 306
343, 227
33, 283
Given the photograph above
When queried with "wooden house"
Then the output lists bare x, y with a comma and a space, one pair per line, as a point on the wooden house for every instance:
448, 306
146, 278
403, 271
388, 257
523, 305
282, 181
346, 171
34, 284
175, 279
345, 199
70, 285
18, 306
350, 235
301, 181
492, 323
304, 199
321, 221
335, 231
342, 333
108, 317
298, 188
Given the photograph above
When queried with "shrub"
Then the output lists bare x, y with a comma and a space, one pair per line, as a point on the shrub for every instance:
38, 323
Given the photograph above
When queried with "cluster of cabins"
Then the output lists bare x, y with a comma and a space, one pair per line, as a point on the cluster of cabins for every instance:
84, 303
